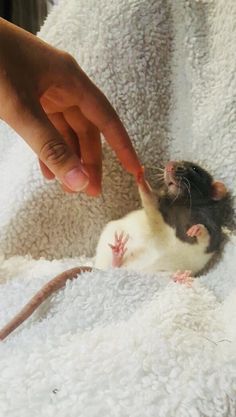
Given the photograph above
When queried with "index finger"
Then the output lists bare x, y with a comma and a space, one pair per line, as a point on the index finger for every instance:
96, 108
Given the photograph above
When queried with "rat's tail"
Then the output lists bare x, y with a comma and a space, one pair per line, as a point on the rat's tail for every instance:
48, 289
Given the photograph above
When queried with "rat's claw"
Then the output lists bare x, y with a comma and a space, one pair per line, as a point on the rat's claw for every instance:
125, 240
119, 238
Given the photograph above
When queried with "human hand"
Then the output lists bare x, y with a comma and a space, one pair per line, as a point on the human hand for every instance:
49, 101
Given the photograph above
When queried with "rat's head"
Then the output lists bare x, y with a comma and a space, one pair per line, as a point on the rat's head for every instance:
186, 180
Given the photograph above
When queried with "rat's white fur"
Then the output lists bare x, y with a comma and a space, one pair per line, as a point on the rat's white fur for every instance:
152, 245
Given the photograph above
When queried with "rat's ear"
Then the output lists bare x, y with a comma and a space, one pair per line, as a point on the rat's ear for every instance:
219, 190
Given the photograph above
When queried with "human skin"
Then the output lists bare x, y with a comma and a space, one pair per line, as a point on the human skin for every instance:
52, 104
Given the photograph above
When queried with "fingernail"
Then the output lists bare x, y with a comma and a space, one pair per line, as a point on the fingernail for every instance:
76, 179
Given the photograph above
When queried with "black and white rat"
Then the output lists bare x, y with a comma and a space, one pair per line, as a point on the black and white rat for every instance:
178, 228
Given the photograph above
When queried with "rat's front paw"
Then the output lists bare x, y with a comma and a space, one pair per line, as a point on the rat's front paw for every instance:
144, 186
119, 249
197, 230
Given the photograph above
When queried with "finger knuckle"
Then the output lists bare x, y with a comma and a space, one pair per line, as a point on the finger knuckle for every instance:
54, 152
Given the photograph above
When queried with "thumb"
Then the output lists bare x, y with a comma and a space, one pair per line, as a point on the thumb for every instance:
36, 129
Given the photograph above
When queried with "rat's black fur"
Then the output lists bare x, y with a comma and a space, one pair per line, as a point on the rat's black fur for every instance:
195, 204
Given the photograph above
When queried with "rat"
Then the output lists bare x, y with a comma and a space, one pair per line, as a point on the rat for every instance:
178, 228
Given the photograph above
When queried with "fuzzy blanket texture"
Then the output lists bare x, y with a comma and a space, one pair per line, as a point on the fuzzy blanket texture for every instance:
120, 343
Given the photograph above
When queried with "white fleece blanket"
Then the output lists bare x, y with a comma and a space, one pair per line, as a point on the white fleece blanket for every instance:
117, 343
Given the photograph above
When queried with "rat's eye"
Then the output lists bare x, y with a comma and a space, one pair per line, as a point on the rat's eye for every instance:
195, 169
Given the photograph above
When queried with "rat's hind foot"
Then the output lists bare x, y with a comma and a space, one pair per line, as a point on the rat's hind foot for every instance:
183, 278
119, 249
198, 230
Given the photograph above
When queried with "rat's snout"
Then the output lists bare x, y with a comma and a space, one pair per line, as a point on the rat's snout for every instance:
175, 168
172, 174
170, 166
179, 170
169, 173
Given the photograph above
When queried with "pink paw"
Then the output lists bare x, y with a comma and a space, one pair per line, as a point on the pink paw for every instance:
196, 230
119, 249
183, 278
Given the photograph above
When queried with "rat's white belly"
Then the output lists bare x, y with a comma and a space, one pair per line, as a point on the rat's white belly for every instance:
147, 252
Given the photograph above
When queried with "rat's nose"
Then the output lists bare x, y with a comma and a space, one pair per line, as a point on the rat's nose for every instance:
180, 170
170, 166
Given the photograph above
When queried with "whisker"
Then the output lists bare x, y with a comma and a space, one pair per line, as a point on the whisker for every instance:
153, 168
177, 195
187, 186
160, 180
